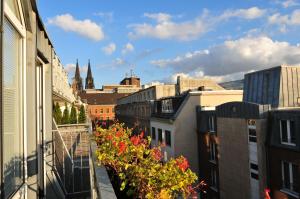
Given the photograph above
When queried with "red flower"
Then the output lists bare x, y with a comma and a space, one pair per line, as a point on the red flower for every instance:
267, 194
135, 140
122, 147
109, 137
156, 154
142, 134
97, 134
182, 163
119, 134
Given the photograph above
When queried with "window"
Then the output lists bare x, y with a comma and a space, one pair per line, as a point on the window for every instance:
166, 106
287, 132
107, 110
113, 110
168, 137
212, 151
160, 135
213, 178
153, 133
96, 110
101, 118
252, 134
290, 177
101, 110
12, 100
211, 123
107, 118
254, 170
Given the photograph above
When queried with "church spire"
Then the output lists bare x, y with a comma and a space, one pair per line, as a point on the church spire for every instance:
77, 81
89, 81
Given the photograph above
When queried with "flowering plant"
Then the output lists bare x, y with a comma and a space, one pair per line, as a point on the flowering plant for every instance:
140, 168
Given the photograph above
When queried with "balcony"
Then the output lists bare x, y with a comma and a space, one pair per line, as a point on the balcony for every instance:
75, 164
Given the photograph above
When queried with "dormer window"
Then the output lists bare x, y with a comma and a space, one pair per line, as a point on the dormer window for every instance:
287, 132
167, 106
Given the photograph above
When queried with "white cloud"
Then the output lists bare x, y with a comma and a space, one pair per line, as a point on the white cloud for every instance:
234, 57
86, 27
250, 13
109, 49
159, 17
292, 19
288, 3
166, 28
109, 16
128, 48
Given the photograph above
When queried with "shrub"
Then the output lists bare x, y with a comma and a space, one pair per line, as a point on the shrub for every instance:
140, 168
82, 116
57, 113
73, 115
66, 116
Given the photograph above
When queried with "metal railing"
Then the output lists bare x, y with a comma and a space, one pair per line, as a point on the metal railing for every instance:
71, 159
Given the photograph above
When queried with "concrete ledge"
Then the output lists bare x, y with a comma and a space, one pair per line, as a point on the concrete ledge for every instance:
100, 182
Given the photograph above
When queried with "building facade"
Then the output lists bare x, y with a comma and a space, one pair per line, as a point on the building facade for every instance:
28, 58
242, 132
135, 109
250, 146
174, 122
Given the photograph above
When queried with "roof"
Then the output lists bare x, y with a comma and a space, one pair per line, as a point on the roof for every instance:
101, 98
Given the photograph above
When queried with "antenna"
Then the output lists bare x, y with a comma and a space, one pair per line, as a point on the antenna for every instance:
131, 73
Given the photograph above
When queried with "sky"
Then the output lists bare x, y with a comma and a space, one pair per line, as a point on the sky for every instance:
161, 39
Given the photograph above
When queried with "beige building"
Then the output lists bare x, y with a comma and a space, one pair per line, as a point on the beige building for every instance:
174, 121
135, 109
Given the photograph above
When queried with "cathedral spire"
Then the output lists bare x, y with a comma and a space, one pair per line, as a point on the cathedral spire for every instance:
89, 81
77, 81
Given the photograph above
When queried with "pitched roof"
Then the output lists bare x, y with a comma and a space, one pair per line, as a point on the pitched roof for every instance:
101, 98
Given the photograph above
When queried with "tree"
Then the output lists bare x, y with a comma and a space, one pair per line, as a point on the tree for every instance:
82, 116
66, 115
57, 113
73, 115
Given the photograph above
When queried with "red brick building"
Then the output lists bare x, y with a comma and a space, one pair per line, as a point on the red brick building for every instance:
101, 106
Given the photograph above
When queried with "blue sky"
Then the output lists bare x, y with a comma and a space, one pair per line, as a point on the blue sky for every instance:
160, 39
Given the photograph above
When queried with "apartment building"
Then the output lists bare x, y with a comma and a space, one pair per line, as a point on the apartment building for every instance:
208, 150
253, 145
101, 106
242, 132
26, 96
135, 109
174, 123
284, 153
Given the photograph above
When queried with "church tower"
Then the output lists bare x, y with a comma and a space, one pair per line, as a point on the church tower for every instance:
77, 80
89, 81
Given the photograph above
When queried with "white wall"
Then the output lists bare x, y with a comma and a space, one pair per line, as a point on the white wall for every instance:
168, 151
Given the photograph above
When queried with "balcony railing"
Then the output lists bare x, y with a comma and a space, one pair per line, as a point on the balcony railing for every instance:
71, 159
101, 186
76, 166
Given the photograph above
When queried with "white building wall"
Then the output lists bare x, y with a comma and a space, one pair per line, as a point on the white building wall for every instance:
168, 151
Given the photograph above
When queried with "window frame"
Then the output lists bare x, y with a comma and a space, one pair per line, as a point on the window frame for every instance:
153, 132
252, 127
19, 26
160, 135
288, 190
211, 123
288, 131
168, 144
212, 152
213, 179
